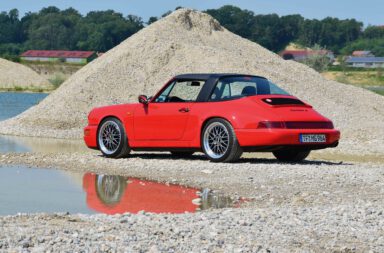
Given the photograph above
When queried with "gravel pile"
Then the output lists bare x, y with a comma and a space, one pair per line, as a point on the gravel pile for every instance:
190, 41
15, 75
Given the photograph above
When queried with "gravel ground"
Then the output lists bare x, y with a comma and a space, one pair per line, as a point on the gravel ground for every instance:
315, 206
278, 229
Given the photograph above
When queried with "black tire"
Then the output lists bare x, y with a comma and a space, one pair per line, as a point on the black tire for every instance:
107, 139
215, 149
291, 155
182, 153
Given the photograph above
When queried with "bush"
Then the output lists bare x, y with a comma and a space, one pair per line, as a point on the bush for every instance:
318, 62
57, 80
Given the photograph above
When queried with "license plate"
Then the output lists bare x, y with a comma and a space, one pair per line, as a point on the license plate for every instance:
313, 138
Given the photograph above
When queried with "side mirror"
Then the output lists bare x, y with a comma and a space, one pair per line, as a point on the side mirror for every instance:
143, 99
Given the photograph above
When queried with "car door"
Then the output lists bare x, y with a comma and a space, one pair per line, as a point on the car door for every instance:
166, 116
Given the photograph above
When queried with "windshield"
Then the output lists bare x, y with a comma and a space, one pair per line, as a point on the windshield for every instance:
242, 86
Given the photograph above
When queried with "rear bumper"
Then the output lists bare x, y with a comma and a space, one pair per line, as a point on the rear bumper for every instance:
90, 133
285, 137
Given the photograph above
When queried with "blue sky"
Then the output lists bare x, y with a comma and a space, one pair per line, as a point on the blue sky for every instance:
368, 11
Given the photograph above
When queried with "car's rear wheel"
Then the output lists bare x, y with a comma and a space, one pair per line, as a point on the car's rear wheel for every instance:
291, 155
112, 139
182, 153
219, 142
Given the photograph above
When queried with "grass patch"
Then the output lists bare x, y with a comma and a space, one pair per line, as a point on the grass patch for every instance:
25, 89
57, 80
371, 79
360, 78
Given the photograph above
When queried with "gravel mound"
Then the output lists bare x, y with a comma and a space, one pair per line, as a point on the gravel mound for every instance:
190, 41
15, 75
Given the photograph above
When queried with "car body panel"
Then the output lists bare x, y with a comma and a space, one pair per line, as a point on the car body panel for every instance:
161, 121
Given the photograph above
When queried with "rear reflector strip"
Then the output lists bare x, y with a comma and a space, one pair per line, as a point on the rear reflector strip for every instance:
295, 125
270, 124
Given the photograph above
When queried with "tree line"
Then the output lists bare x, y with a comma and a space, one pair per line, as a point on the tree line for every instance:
54, 29
276, 32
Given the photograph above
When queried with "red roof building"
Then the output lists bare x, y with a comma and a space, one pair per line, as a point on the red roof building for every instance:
59, 55
362, 54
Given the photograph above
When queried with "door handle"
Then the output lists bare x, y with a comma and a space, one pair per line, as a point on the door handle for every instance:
184, 109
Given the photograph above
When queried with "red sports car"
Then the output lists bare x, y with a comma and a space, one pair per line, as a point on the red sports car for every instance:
222, 115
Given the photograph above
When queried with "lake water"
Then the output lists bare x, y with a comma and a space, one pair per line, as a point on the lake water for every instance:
14, 103
377, 89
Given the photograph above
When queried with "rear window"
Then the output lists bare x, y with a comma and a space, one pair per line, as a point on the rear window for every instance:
242, 86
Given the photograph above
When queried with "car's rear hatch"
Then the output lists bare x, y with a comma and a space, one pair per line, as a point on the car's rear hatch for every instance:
295, 113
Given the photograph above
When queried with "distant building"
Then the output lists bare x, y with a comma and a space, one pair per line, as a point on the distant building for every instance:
365, 62
79, 57
301, 55
362, 54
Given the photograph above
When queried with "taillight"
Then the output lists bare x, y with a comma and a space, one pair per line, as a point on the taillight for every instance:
271, 124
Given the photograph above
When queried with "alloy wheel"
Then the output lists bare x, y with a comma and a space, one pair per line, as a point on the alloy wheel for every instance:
216, 140
109, 137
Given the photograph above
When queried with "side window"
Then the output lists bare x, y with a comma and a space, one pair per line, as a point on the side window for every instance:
242, 86
224, 91
163, 96
221, 91
181, 91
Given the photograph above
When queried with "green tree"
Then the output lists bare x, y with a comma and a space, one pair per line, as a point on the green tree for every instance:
374, 45
53, 29
152, 20
270, 31
373, 32
102, 30
329, 32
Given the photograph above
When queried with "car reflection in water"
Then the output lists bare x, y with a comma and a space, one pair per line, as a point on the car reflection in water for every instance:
116, 194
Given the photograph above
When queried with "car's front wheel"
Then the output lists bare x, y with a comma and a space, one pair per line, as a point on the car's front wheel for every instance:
112, 139
219, 142
291, 155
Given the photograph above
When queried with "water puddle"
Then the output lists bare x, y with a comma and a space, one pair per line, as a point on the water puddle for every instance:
16, 144
26, 190
377, 89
